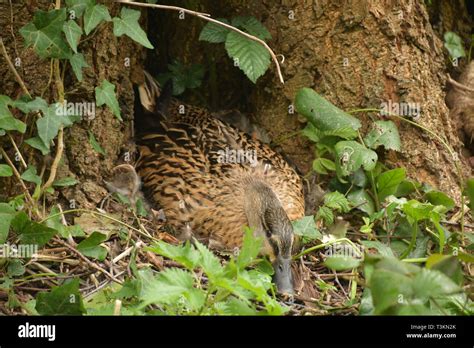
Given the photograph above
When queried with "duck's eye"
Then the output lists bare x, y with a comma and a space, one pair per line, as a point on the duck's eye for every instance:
268, 234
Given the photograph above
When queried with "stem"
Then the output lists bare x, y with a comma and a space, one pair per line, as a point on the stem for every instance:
320, 246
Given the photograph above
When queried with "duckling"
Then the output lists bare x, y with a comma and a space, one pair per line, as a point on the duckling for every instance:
211, 179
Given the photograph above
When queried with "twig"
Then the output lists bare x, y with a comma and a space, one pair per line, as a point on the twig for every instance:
22, 160
13, 70
459, 85
208, 18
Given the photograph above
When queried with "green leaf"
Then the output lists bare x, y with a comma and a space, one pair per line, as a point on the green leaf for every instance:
417, 211
7, 213
387, 182
337, 201
351, 156
61, 300
78, 6
15, 268
250, 56
209, 262
326, 214
306, 227
235, 306
73, 34
214, 33
312, 133
30, 175
321, 165
128, 24
5, 170
323, 114
64, 182
94, 15
91, 246
383, 133
250, 249
341, 263
44, 34
7, 121
78, 62
185, 254
38, 144
49, 125
448, 264
95, 144
362, 200
454, 45
183, 77
382, 248
105, 94
440, 198
26, 105
252, 26
469, 193
31, 232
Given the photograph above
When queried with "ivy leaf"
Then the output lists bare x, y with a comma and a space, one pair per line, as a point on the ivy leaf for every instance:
91, 246
95, 144
78, 6
31, 232
250, 56
49, 125
454, 45
384, 133
38, 144
44, 34
387, 182
214, 33
105, 94
252, 26
5, 170
7, 121
73, 33
78, 62
306, 228
351, 156
61, 300
94, 15
7, 213
30, 175
128, 24
26, 105
323, 114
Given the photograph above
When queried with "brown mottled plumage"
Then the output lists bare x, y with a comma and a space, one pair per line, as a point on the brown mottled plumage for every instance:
189, 167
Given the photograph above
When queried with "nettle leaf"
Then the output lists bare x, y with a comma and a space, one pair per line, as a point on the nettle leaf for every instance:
387, 182
38, 144
78, 62
91, 246
7, 121
323, 114
383, 133
31, 232
209, 262
61, 300
7, 213
250, 56
322, 165
30, 175
95, 144
312, 133
214, 33
94, 15
306, 227
128, 24
250, 249
105, 94
73, 34
44, 34
325, 214
351, 156
337, 201
5, 170
77, 7
252, 26
362, 200
185, 254
454, 45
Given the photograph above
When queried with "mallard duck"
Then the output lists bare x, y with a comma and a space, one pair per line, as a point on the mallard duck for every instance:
211, 179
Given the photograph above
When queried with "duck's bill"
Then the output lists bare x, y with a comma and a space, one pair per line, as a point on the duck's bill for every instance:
282, 277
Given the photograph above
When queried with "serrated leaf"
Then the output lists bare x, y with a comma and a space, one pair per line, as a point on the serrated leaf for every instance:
252, 26
214, 33
306, 227
91, 246
73, 34
78, 6
383, 133
38, 144
387, 182
209, 262
93, 15
78, 62
325, 214
7, 213
312, 133
185, 254
382, 248
5, 170
30, 175
322, 165
105, 94
128, 24
323, 114
61, 300
64, 182
250, 249
250, 56
337, 201
95, 144
351, 156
